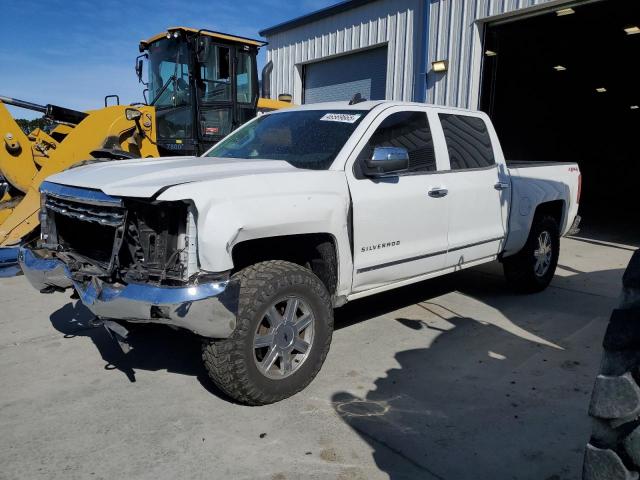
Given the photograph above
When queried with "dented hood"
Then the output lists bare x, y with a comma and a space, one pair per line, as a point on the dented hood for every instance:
144, 178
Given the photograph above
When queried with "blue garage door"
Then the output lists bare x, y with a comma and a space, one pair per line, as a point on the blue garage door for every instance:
340, 78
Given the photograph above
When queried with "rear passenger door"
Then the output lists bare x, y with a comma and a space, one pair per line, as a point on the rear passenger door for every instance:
476, 228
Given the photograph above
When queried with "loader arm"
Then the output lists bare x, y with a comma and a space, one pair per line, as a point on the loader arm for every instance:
28, 160
17, 164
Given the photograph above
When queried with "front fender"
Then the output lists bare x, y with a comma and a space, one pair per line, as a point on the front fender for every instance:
235, 210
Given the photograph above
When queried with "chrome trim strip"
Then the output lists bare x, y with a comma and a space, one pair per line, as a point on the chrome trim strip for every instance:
207, 309
151, 294
80, 211
426, 255
82, 195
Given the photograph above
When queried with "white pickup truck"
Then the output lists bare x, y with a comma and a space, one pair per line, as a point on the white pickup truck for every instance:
252, 245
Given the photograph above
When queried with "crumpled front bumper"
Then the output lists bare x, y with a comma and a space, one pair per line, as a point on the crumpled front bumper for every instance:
42, 271
207, 309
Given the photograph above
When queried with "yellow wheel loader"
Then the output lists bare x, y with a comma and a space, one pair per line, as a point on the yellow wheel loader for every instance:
200, 85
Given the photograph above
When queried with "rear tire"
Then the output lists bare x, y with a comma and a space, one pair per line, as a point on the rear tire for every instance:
532, 268
282, 337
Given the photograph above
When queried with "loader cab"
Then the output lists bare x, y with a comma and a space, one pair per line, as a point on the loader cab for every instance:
202, 84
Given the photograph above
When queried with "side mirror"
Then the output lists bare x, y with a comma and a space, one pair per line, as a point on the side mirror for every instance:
140, 66
386, 160
285, 97
139, 69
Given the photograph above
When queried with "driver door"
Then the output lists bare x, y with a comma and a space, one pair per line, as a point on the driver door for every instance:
399, 222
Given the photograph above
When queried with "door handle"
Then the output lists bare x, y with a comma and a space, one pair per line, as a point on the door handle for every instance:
501, 186
438, 192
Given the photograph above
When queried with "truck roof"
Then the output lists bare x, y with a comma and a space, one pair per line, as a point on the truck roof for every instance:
368, 105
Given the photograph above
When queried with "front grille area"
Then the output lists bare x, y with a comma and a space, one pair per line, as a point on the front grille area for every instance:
89, 230
101, 215
87, 238
121, 239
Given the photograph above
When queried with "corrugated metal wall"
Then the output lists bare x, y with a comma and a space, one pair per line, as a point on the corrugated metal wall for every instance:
453, 36
395, 23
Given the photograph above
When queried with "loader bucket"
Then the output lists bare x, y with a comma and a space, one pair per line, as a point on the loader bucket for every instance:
31, 159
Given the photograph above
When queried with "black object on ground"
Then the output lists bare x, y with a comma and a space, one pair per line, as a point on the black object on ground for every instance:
613, 452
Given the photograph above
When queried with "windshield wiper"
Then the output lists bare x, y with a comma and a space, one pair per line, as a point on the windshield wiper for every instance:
172, 78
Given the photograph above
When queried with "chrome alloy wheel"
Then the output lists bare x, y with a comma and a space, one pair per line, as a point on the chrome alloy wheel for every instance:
543, 254
283, 338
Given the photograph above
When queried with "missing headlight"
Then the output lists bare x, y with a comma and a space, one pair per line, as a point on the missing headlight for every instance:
160, 243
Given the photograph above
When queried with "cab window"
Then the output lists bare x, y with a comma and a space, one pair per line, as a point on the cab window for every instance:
409, 130
468, 141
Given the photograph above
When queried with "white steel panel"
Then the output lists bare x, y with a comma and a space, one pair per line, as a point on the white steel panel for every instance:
394, 23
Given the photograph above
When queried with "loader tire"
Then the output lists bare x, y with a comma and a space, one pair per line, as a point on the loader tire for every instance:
613, 451
533, 267
282, 336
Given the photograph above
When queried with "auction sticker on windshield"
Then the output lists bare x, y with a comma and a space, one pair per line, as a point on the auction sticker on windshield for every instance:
340, 117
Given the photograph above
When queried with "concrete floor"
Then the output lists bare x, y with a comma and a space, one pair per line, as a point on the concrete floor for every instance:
453, 378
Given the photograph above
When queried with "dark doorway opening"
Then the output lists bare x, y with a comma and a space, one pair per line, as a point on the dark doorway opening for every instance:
541, 85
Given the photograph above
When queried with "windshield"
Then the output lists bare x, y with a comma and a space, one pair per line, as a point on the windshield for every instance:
305, 138
169, 73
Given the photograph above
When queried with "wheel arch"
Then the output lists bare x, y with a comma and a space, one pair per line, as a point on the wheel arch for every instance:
555, 209
317, 251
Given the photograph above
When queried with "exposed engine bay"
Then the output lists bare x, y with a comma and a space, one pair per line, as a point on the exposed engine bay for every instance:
121, 240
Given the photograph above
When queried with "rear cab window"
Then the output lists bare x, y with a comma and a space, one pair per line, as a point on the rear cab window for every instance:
468, 141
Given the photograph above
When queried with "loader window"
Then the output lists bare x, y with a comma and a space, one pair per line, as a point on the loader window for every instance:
215, 73
244, 77
169, 74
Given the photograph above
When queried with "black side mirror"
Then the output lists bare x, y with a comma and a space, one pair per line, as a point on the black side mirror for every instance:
139, 69
386, 160
140, 66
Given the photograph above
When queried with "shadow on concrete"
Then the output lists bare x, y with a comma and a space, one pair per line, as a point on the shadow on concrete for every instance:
153, 347
455, 408
603, 228
459, 408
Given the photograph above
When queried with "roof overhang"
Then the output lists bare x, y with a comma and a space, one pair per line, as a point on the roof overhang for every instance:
313, 16
209, 33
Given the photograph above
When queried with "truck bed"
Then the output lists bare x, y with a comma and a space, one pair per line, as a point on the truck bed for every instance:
534, 183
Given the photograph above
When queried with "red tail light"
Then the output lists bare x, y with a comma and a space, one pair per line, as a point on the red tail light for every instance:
579, 186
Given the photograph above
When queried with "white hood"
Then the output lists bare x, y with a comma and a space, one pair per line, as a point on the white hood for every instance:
143, 178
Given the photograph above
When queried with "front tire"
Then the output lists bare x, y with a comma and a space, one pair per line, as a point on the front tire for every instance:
282, 337
532, 268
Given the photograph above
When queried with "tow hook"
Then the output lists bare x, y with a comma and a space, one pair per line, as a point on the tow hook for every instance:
116, 331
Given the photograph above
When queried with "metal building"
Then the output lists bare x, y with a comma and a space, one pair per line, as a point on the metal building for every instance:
557, 77
409, 34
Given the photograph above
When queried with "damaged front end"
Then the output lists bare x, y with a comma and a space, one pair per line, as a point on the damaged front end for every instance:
129, 259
